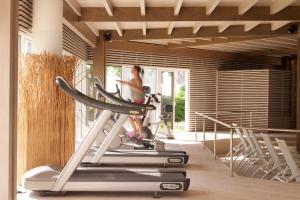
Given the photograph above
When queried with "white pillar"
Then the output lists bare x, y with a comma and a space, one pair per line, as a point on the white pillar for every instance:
47, 27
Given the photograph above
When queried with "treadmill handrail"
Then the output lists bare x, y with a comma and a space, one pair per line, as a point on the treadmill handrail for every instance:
80, 97
118, 92
121, 101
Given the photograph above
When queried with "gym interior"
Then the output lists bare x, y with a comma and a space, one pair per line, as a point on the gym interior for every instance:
220, 87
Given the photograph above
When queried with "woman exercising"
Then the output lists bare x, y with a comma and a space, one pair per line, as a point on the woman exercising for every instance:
138, 96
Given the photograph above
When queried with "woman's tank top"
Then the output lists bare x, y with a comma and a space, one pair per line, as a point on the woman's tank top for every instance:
136, 95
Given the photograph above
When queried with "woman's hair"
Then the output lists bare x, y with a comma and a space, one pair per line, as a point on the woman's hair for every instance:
139, 70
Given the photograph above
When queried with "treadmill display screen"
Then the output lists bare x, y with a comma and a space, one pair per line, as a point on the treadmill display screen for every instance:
171, 186
175, 160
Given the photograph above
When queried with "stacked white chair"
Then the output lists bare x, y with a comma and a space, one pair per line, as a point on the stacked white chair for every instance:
248, 152
274, 164
259, 157
291, 171
240, 150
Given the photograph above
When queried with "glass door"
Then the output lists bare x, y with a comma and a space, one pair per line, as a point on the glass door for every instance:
166, 79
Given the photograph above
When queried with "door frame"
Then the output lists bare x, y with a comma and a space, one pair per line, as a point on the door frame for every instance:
187, 91
159, 89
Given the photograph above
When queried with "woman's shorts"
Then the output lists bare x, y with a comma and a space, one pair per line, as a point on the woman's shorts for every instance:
139, 101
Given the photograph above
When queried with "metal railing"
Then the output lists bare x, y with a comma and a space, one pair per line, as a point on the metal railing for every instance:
216, 122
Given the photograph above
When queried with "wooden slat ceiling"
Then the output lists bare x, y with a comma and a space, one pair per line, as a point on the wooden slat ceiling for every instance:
267, 46
191, 23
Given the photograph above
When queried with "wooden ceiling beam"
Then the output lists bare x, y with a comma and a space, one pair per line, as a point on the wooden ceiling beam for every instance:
222, 13
279, 5
272, 52
298, 35
118, 29
278, 24
211, 6
232, 31
196, 27
246, 5
75, 6
250, 46
223, 27
108, 7
71, 20
269, 44
143, 7
251, 51
170, 28
188, 52
177, 7
218, 41
250, 25
281, 40
144, 26
238, 47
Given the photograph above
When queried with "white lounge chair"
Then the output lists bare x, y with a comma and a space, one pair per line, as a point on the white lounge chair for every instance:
292, 171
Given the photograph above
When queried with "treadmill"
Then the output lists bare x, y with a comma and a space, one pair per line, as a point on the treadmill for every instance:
50, 179
133, 156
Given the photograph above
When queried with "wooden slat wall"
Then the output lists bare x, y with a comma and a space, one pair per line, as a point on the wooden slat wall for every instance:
25, 15
280, 99
264, 92
202, 90
116, 57
73, 44
214, 87
243, 91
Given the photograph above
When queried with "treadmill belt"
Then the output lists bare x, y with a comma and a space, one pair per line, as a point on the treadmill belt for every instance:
127, 176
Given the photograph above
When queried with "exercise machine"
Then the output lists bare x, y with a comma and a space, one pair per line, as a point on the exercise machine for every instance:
49, 179
131, 156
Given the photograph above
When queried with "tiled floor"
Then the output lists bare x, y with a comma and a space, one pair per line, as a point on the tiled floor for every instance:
209, 181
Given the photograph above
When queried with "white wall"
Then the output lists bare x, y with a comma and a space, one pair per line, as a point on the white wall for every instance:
7, 102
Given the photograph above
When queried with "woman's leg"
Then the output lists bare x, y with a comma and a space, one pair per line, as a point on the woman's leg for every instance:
131, 121
139, 127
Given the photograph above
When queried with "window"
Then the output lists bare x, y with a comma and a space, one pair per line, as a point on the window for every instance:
85, 116
175, 86
113, 73
25, 44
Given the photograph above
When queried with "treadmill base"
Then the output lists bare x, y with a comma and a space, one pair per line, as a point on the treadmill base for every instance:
52, 194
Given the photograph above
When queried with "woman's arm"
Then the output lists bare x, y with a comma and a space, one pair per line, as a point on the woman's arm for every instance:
133, 86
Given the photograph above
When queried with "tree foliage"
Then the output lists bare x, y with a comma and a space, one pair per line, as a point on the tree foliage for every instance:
180, 105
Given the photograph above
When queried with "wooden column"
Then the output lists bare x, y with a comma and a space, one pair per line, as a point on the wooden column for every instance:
298, 92
8, 100
100, 59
